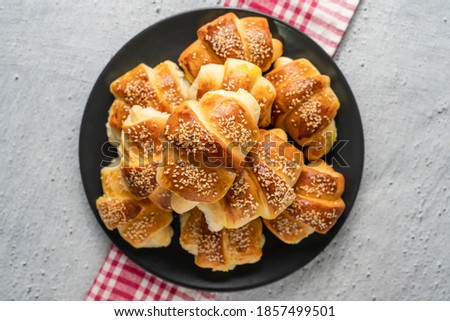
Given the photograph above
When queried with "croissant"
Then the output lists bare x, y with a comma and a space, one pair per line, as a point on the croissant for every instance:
222, 250
140, 222
217, 130
317, 207
141, 152
191, 182
230, 37
305, 105
264, 188
231, 76
162, 88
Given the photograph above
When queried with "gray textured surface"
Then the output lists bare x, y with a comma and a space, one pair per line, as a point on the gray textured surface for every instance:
395, 244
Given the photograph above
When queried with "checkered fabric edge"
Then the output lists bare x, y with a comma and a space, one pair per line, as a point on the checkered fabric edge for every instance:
325, 21
120, 279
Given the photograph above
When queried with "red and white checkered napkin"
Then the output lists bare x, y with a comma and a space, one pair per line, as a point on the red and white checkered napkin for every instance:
323, 20
120, 279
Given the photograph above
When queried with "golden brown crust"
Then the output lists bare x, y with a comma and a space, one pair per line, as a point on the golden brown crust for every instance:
186, 131
117, 206
228, 36
234, 75
319, 180
317, 207
274, 189
141, 229
264, 188
311, 116
295, 92
116, 211
232, 120
143, 135
113, 183
212, 252
221, 38
193, 58
278, 154
222, 250
168, 84
242, 200
161, 197
288, 229
140, 180
300, 68
192, 180
142, 149
320, 143
161, 88
265, 94
119, 112
190, 227
321, 216
276, 166
140, 222
216, 130
245, 243
257, 41
135, 88
240, 205
305, 105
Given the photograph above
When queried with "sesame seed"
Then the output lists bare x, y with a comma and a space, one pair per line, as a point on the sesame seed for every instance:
224, 40
140, 180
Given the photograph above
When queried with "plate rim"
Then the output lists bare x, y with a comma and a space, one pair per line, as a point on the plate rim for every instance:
212, 9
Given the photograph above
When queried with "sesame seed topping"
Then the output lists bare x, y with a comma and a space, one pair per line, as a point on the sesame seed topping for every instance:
115, 212
240, 197
139, 229
190, 176
321, 219
241, 238
278, 193
289, 166
309, 111
139, 91
225, 41
192, 227
140, 180
318, 185
191, 136
211, 246
260, 49
234, 128
285, 226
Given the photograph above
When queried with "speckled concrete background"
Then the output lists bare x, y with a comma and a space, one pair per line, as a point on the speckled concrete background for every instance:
394, 246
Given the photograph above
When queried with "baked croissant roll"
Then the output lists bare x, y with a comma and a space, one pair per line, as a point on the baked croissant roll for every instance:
162, 88
305, 105
230, 37
233, 75
263, 189
117, 206
191, 182
317, 207
141, 153
217, 130
140, 222
222, 250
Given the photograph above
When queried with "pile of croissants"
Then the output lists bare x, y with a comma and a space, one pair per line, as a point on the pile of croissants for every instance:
192, 141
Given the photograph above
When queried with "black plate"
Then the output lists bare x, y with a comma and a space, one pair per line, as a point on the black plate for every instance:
165, 40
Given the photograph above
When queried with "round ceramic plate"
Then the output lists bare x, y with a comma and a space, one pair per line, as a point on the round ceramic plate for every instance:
166, 40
